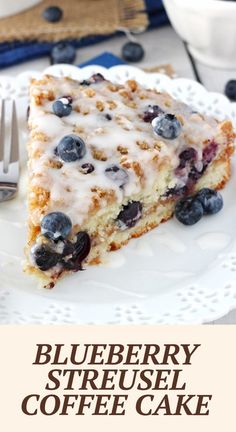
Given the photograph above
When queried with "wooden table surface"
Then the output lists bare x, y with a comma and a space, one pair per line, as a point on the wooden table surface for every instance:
162, 46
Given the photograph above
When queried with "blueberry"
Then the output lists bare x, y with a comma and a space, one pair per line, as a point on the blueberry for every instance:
132, 52
117, 174
193, 176
152, 112
187, 156
129, 215
188, 210
176, 191
167, 126
74, 253
96, 78
44, 257
230, 90
56, 226
52, 14
85, 82
87, 168
108, 116
71, 148
82, 246
211, 200
188, 161
68, 97
63, 52
209, 153
68, 249
62, 107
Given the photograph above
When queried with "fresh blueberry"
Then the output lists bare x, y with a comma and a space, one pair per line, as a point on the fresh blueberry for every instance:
167, 126
62, 107
74, 253
87, 168
44, 257
117, 174
63, 52
188, 210
56, 226
53, 14
132, 52
211, 200
129, 215
152, 112
230, 90
71, 148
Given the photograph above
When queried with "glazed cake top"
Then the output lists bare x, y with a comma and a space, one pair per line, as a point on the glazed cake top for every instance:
114, 122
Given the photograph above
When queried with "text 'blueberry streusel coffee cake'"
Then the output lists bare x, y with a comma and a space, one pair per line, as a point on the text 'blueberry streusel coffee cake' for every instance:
108, 162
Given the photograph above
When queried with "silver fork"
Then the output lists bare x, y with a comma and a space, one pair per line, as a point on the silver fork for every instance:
9, 164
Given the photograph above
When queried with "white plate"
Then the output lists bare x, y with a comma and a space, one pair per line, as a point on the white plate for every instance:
174, 274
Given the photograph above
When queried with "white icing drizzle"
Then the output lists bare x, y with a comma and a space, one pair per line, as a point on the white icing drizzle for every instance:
71, 190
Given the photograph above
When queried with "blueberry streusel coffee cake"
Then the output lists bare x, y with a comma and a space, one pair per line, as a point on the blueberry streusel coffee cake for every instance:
108, 162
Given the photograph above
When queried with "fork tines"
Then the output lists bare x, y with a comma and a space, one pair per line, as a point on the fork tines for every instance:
9, 150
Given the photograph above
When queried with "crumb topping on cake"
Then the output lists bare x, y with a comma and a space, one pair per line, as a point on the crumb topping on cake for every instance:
111, 127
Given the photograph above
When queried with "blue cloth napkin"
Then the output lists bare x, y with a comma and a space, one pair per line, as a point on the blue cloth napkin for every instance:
105, 59
12, 53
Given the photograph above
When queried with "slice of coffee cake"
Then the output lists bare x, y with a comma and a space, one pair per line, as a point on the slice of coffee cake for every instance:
108, 162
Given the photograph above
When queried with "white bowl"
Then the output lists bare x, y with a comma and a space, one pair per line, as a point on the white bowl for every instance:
11, 7
209, 27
